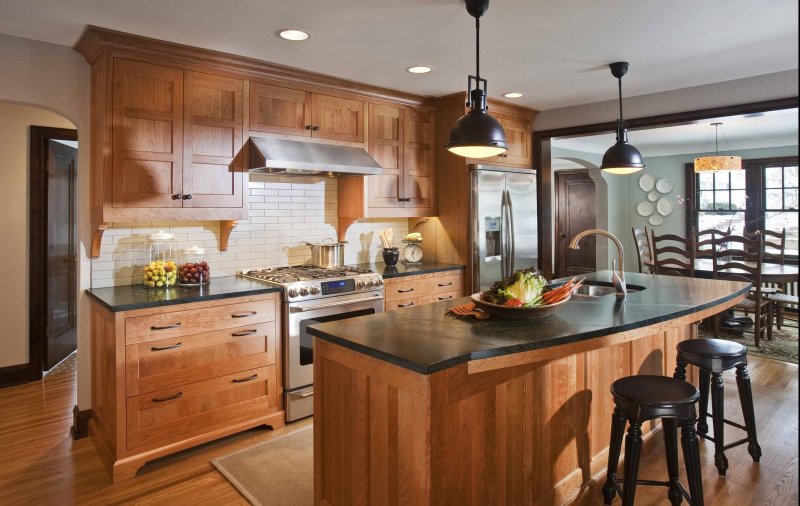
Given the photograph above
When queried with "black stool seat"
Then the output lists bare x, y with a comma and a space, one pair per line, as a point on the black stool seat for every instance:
713, 357
641, 398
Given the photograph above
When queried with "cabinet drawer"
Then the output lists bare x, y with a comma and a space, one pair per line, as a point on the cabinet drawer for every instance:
422, 285
394, 305
170, 415
193, 321
445, 282
155, 365
439, 297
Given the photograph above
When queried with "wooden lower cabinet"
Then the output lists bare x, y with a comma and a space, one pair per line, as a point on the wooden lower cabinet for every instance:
168, 378
410, 291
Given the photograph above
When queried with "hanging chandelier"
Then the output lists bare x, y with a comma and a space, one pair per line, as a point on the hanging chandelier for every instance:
717, 163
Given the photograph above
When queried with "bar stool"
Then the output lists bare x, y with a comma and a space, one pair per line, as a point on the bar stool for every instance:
713, 357
638, 399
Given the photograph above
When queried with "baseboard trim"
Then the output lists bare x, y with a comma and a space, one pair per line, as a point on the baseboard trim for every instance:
80, 423
16, 375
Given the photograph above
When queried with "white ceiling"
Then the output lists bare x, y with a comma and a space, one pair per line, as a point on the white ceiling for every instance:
554, 51
752, 131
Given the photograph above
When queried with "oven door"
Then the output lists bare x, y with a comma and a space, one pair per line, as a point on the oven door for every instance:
299, 352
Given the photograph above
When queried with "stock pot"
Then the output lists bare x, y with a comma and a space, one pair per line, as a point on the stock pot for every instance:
327, 254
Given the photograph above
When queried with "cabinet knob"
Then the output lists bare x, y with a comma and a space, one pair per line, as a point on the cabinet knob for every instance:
177, 196
315, 128
309, 127
187, 196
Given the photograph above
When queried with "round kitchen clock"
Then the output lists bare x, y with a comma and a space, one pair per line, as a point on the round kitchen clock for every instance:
412, 253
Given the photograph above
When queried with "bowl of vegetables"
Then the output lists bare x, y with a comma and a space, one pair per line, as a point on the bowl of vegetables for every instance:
525, 295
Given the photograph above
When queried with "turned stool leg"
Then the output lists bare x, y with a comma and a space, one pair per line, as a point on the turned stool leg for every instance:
680, 370
671, 445
617, 431
718, 417
633, 452
705, 379
691, 457
746, 398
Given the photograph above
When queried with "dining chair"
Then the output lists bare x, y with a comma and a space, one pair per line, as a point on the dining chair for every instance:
704, 241
740, 258
673, 255
775, 252
643, 250
774, 245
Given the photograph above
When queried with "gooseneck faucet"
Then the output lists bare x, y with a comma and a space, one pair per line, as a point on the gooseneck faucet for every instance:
618, 277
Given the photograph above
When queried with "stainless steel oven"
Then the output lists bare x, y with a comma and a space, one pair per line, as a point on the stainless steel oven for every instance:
298, 346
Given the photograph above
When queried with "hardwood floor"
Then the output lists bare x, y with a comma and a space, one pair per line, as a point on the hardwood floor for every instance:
41, 464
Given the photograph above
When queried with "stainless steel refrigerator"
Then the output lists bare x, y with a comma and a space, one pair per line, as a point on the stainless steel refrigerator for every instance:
505, 231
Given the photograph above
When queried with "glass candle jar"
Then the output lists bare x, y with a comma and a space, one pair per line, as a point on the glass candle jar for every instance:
160, 270
193, 269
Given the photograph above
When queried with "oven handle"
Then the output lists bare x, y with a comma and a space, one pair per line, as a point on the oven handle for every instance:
334, 304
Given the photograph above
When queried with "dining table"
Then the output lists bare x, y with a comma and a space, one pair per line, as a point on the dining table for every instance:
770, 272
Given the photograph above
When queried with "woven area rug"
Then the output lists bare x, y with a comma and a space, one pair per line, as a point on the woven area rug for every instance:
277, 472
784, 344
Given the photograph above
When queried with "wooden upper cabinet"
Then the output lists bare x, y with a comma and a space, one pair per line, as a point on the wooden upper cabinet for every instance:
386, 147
337, 119
518, 135
419, 158
279, 110
147, 139
212, 171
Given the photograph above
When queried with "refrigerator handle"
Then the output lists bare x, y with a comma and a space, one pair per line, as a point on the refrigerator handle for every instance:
503, 238
511, 235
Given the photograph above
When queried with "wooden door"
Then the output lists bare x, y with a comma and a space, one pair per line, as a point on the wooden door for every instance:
279, 110
337, 119
212, 171
518, 135
575, 211
386, 146
418, 158
61, 317
147, 135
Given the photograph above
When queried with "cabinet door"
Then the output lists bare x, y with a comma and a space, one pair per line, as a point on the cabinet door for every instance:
147, 135
337, 119
386, 146
279, 110
212, 171
518, 135
418, 158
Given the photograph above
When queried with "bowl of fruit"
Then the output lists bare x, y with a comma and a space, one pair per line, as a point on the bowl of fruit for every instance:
525, 295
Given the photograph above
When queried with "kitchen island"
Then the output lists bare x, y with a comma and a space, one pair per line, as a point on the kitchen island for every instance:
416, 407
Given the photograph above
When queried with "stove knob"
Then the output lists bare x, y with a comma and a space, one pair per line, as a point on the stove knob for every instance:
314, 290
379, 282
362, 284
292, 293
370, 283
304, 291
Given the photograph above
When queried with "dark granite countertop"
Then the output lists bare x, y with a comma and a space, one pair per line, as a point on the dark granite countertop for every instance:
425, 340
401, 269
126, 298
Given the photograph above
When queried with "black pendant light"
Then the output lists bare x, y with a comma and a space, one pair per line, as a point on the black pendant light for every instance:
477, 134
621, 158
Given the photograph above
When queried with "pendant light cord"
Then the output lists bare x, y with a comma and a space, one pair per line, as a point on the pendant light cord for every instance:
619, 80
478, 48
716, 140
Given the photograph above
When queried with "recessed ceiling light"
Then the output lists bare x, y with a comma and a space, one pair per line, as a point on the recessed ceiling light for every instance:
293, 34
420, 69
514, 94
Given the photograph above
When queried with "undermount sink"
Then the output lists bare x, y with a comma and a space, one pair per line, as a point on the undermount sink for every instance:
600, 289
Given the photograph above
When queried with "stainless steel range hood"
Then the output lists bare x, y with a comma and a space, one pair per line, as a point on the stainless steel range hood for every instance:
280, 156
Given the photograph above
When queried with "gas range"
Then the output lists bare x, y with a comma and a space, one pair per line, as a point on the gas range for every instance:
307, 282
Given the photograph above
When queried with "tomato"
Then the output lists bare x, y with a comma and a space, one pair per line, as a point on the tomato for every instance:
513, 303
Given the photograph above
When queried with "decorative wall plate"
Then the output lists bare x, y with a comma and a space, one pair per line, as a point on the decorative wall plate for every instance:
653, 196
664, 185
646, 182
664, 206
644, 209
655, 220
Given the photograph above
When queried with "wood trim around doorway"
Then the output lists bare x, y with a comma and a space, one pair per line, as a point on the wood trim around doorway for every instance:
37, 299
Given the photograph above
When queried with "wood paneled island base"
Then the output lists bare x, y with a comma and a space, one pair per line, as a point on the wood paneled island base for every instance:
524, 428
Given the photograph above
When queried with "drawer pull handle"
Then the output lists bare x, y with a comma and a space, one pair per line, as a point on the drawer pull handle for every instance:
406, 305
446, 298
449, 283
170, 398
243, 380
165, 327
405, 290
245, 333
163, 348
244, 315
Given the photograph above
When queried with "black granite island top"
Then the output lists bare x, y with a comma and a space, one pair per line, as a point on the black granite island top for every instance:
401, 269
129, 297
425, 340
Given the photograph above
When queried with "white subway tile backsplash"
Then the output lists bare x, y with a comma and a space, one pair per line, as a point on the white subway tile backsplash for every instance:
285, 211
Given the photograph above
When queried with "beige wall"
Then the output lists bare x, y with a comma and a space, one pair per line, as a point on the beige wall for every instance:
14, 228
57, 78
